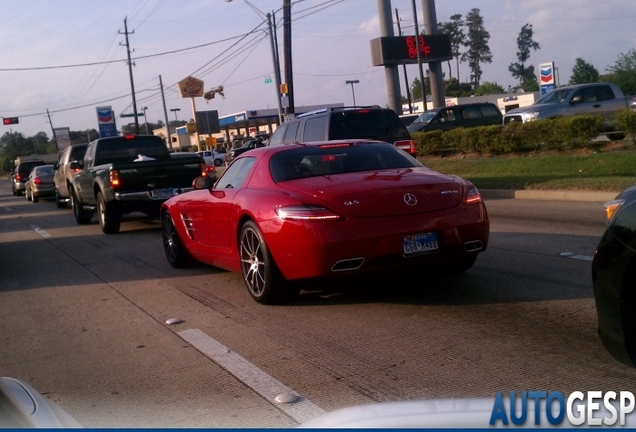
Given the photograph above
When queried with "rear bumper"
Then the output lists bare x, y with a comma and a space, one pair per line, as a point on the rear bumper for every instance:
147, 195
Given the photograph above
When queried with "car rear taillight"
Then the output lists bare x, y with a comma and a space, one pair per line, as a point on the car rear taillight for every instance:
37, 180
207, 169
114, 179
472, 196
18, 177
302, 212
129, 137
406, 145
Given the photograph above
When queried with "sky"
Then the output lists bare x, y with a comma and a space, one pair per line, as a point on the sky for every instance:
69, 56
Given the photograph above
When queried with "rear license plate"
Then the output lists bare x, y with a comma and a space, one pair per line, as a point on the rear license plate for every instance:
419, 243
162, 193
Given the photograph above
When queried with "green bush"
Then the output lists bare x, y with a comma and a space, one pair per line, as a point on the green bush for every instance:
626, 121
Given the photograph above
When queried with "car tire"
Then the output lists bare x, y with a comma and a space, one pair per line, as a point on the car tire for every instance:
82, 216
176, 253
15, 192
263, 279
109, 218
58, 203
26, 194
218, 162
34, 197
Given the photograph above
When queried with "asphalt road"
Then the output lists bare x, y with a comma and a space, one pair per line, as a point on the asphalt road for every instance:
84, 321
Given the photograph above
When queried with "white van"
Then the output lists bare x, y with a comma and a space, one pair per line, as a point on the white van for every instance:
212, 157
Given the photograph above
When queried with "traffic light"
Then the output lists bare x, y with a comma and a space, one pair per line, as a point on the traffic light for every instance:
10, 120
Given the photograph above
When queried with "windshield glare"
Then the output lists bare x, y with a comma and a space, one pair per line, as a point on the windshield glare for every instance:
426, 117
555, 96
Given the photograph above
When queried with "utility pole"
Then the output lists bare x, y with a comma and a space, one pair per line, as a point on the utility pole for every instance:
434, 68
165, 114
287, 51
406, 80
132, 83
53, 130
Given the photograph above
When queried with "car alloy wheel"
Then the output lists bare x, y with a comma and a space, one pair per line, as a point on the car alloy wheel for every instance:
262, 277
81, 216
173, 247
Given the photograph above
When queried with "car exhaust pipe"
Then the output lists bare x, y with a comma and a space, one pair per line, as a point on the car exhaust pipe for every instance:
347, 264
473, 246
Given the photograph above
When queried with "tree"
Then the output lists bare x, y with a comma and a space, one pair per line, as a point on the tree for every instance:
489, 88
477, 43
453, 28
130, 127
453, 88
583, 73
624, 72
15, 144
525, 75
416, 87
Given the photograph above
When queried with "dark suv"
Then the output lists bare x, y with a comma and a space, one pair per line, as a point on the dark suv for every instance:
346, 123
21, 174
64, 173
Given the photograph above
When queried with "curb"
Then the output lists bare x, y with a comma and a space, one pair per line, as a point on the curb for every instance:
547, 195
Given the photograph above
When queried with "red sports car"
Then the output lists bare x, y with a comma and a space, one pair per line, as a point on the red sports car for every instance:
298, 211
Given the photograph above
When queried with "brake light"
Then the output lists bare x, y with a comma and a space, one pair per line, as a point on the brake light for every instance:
129, 137
18, 177
364, 111
37, 180
338, 145
302, 212
206, 169
406, 145
114, 179
472, 196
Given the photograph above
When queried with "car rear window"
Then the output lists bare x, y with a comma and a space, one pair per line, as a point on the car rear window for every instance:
25, 168
127, 150
382, 125
333, 159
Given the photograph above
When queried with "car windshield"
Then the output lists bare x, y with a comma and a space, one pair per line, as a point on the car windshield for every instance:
426, 117
555, 96
332, 159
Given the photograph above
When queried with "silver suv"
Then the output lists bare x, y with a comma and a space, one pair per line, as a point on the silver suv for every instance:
64, 173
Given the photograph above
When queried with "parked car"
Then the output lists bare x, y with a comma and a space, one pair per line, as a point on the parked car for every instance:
338, 123
614, 278
249, 145
64, 173
40, 183
323, 209
212, 157
455, 116
21, 174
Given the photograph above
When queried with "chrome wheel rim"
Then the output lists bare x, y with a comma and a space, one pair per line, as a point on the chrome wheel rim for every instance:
101, 212
252, 262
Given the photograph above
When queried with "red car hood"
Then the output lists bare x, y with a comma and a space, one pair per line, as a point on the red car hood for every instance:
383, 193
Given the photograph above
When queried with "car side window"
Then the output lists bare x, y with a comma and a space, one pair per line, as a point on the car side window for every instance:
315, 129
586, 94
290, 135
277, 138
447, 115
489, 111
603, 93
234, 177
88, 156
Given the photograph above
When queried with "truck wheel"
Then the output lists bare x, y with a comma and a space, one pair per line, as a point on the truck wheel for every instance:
82, 216
108, 217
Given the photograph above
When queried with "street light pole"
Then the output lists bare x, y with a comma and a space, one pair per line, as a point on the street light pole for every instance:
174, 110
352, 82
145, 119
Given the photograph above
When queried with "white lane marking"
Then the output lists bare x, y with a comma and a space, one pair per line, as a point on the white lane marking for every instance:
42, 233
570, 255
262, 383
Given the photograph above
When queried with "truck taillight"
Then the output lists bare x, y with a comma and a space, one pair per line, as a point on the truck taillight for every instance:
406, 145
204, 169
114, 179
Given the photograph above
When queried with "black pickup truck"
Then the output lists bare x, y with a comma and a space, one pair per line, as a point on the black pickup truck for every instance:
125, 174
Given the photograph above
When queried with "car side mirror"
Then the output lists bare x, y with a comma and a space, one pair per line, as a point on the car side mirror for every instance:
576, 99
202, 182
